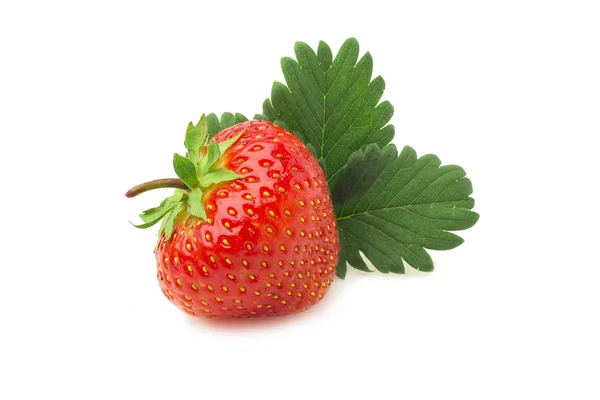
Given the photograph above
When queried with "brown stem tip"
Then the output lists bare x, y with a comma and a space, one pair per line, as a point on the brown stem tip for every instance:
175, 183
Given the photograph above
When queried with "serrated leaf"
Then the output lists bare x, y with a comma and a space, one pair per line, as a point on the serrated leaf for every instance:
332, 103
396, 212
227, 119
212, 155
169, 221
323, 165
287, 128
342, 267
218, 175
312, 150
195, 206
195, 137
185, 170
360, 171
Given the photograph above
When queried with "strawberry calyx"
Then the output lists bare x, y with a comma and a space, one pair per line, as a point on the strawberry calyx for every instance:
198, 172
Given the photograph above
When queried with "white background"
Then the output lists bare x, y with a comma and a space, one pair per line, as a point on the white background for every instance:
95, 97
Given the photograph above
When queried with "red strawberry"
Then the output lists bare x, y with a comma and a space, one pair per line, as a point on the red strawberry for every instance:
268, 244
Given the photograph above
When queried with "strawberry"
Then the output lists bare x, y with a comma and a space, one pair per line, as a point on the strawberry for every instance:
250, 233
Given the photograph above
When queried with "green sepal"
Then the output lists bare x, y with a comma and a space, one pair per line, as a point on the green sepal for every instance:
176, 197
195, 137
169, 220
212, 156
218, 175
154, 215
227, 119
151, 213
228, 143
194, 204
185, 170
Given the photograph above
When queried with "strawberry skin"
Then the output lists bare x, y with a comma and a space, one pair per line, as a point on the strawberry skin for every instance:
269, 245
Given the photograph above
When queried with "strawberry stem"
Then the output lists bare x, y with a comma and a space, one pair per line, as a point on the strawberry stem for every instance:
175, 183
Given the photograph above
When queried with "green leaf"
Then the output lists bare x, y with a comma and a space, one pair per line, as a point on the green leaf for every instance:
331, 103
195, 137
228, 143
276, 122
400, 206
320, 160
227, 119
185, 170
212, 155
218, 175
323, 165
360, 171
194, 204
312, 150
169, 221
